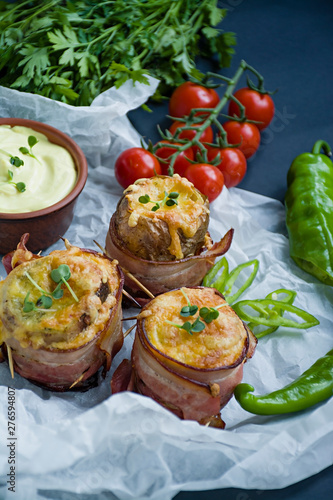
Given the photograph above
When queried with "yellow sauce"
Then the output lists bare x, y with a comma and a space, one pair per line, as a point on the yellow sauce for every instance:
48, 179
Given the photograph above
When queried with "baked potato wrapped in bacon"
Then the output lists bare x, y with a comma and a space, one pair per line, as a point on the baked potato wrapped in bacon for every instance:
188, 354
159, 234
60, 315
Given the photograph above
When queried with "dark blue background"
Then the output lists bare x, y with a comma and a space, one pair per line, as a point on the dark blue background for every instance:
291, 44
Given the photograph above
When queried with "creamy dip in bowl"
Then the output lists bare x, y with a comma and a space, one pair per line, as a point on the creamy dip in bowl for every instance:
42, 173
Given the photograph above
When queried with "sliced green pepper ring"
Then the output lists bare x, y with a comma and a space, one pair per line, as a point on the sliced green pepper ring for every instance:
220, 281
283, 295
270, 313
226, 280
234, 275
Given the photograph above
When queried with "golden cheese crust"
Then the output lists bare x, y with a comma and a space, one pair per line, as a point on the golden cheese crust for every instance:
68, 324
220, 344
171, 232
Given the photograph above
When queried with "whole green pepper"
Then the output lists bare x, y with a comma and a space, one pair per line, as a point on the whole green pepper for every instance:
309, 212
312, 387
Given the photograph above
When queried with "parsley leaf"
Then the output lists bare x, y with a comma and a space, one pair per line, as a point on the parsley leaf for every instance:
72, 51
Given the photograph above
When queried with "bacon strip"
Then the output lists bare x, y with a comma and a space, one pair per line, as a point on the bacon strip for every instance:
190, 393
18, 256
160, 277
58, 369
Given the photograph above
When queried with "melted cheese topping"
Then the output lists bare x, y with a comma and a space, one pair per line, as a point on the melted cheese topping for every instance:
220, 344
185, 216
68, 324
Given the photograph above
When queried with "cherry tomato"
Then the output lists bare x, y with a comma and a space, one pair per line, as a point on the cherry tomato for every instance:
206, 136
134, 164
232, 164
258, 107
245, 134
190, 95
181, 162
206, 178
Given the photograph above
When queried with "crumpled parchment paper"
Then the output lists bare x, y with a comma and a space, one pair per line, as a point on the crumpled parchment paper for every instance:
82, 445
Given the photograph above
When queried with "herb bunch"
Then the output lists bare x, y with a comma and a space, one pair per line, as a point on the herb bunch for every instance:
73, 51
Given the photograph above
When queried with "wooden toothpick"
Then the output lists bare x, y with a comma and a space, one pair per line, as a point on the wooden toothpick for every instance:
130, 275
10, 360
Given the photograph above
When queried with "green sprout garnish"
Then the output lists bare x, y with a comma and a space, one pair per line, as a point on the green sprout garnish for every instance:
61, 275
13, 160
170, 199
45, 301
16, 161
195, 327
43, 304
20, 186
188, 310
206, 316
31, 142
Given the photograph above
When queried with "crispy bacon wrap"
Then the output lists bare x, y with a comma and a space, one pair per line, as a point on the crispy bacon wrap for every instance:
64, 346
193, 374
166, 247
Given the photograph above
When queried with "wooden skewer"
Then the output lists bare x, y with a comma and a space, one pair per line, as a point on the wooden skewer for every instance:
77, 380
129, 331
131, 298
127, 319
133, 278
10, 360
130, 275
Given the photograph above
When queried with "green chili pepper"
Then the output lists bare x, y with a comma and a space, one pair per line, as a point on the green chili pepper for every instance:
309, 212
312, 387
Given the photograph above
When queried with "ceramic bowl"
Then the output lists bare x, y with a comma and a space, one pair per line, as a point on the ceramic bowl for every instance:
47, 225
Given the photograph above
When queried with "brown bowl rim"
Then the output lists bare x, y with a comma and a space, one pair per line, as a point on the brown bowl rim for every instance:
78, 157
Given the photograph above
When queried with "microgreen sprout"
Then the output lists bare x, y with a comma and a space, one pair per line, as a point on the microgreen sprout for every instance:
33, 282
190, 309
31, 142
13, 160
20, 186
206, 316
16, 161
170, 199
61, 275
43, 304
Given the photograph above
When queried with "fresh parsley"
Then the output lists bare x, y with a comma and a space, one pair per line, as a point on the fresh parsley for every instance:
73, 50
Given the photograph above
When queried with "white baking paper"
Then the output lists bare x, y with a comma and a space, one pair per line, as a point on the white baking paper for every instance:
81, 445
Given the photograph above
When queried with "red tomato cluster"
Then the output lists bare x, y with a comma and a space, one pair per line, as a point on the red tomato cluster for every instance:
243, 136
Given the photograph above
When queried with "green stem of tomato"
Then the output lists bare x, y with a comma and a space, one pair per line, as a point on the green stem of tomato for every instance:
213, 114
